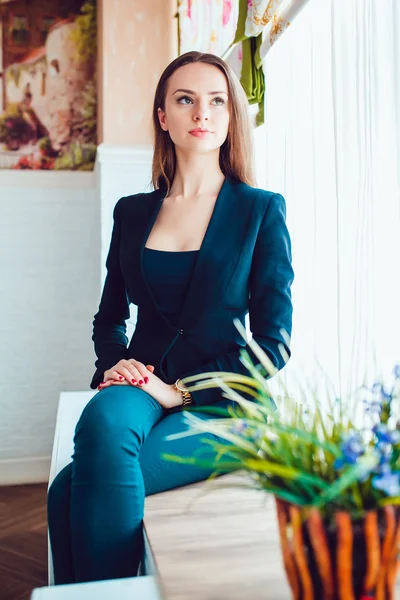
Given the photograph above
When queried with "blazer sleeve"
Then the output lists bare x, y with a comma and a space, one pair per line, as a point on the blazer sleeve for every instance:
109, 324
270, 304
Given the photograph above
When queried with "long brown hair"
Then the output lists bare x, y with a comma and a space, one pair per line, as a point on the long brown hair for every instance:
236, 153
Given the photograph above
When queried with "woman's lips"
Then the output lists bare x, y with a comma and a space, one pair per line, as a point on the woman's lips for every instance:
200, 134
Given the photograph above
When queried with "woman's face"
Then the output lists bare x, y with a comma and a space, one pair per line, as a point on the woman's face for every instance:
196, 108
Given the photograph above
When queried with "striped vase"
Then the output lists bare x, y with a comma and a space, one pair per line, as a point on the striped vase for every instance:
343, 559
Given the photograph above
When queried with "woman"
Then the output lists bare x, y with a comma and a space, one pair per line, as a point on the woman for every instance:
202, 249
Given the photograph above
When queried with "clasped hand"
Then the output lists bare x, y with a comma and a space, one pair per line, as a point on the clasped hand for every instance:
133, 372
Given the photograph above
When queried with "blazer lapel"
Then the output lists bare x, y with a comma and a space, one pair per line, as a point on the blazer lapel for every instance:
219, 254
216, 261
150, 220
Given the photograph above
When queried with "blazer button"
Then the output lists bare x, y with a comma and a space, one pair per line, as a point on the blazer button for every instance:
181, 331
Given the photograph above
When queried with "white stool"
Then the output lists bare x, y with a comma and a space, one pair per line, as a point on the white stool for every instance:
70, 408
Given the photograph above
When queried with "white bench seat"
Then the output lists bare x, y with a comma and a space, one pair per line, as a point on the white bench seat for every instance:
143, 588
70, 407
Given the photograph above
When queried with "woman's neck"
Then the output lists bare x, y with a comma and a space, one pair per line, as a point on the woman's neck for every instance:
197, 175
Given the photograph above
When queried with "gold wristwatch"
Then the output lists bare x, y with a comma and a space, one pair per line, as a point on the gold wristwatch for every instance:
186, 395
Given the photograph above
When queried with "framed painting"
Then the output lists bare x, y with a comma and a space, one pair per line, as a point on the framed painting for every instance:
48, 100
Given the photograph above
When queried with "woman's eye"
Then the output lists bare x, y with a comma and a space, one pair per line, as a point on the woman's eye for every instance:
184, 98
219, 101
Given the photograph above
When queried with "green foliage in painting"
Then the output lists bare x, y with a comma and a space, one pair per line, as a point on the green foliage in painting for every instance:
84, 36
89, 110
76, 156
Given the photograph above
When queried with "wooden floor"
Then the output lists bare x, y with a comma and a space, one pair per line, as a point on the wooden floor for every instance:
23, 540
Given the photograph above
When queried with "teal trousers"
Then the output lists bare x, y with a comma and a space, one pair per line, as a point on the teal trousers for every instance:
96, 503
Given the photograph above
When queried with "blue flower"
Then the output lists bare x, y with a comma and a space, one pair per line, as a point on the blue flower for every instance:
380, 398
387, 396
387, 482
381, 395
383, 453
239, 427
385, 435
352, 448
376, 388
373, 407
396, 371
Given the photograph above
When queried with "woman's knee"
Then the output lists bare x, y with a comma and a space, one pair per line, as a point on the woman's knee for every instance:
118, 412
59, 491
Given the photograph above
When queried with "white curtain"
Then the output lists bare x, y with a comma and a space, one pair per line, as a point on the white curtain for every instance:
331, 146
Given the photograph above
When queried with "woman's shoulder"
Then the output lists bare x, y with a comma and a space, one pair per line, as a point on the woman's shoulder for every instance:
135, 203
262, 198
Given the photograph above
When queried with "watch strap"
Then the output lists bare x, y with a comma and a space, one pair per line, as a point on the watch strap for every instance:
186, 395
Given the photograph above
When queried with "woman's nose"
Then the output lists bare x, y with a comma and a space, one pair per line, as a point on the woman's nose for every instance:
201, 113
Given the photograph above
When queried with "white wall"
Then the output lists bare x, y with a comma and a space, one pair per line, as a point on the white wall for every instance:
122, 171
55, 232
49, 291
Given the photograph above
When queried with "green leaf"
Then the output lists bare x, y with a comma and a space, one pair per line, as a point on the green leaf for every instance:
213, 426
350, 476
207, 464
306, 436
287, 496
394, 500
265, 361
263, 389
212, 410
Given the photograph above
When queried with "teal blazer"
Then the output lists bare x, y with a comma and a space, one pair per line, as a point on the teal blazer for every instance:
243, 266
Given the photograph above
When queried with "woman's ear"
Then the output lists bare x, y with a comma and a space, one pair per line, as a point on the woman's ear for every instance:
162, 119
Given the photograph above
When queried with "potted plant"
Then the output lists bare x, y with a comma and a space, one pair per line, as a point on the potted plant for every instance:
333, 467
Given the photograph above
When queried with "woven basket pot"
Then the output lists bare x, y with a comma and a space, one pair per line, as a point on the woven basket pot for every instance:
343, 559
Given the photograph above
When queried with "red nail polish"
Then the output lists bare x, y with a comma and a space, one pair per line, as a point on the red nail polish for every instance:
121, 377
141, 382
146, 380
134, 381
